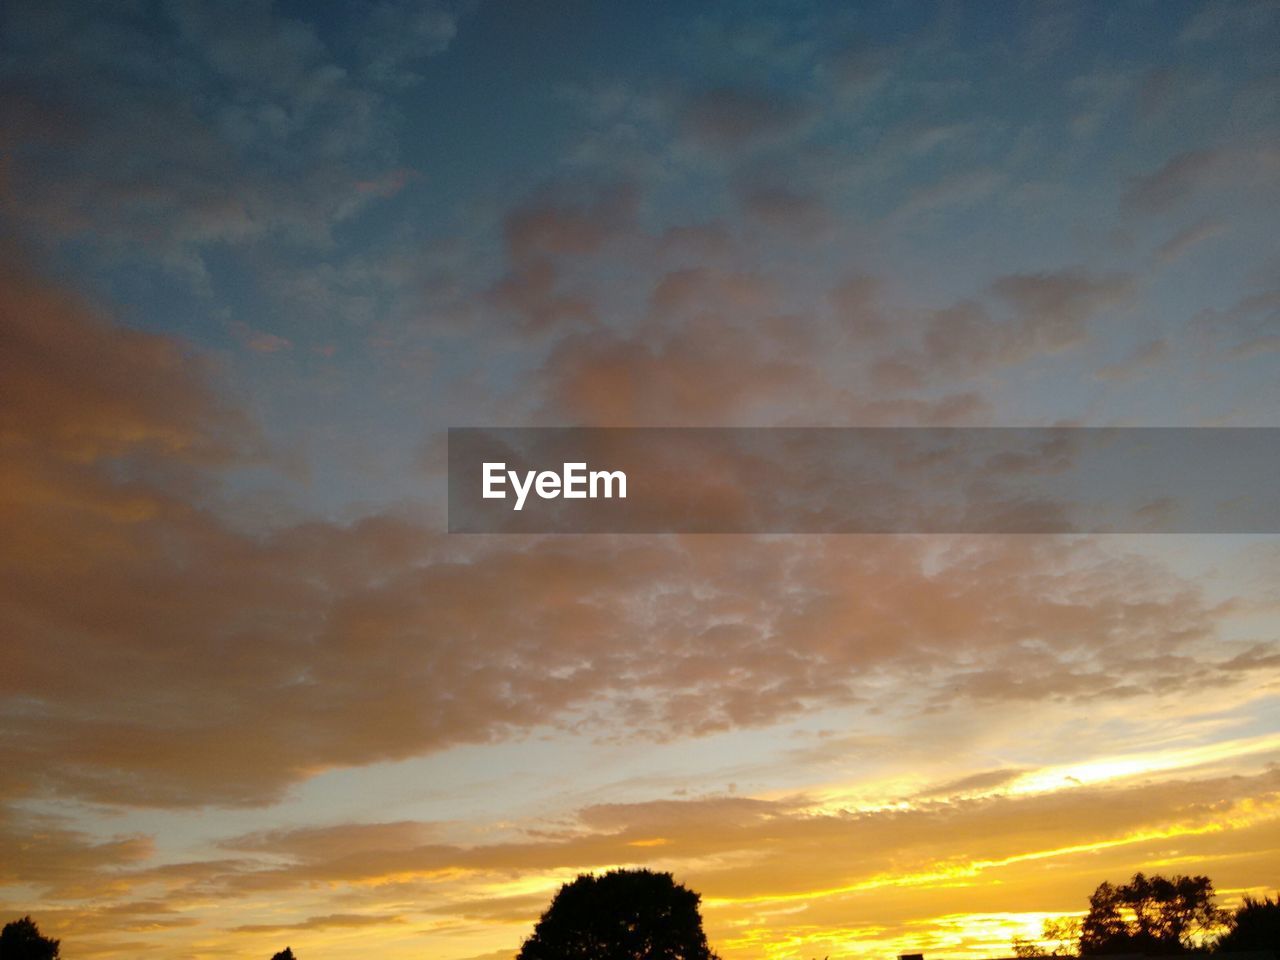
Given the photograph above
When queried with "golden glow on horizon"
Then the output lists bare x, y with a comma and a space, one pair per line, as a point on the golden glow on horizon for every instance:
892, 793
783, 926
1138, 764
975, 867
954, 935
773, 926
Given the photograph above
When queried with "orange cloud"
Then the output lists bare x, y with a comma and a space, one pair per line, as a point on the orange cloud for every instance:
80, 388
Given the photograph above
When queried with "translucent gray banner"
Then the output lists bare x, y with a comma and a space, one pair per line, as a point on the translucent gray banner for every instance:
864, 480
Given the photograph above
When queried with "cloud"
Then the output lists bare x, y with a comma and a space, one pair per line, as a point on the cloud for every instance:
961, 190
694, 376
1048, 313
1177, 246
834, 862
180, 663
1138, 364
1245, 170
1177, 178
532, 294
320, 843
260, 341
81, 389
731, 118
717, 342
856, 301
400, 33
569, 222
860, 69
1054, 307
783, 207
161, 655
164, 658
43, 852
987, 780
325, 922
87, 926
1260, 346
717, 347
541, 237
1244, 329
265, 132
1253, 18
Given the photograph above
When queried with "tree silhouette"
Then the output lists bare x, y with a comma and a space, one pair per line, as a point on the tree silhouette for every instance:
1064, 934
622, 915
1155, 916
1151, 915
285, 954
21, 940
1254, 926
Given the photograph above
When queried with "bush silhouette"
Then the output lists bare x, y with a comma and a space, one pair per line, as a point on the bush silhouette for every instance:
622, 915
21, 940
1254, 926
285, 954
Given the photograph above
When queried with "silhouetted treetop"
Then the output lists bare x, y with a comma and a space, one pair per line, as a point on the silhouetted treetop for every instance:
285, 954
1063, 934
21, 940
622, 915
1152, 915
1254, 926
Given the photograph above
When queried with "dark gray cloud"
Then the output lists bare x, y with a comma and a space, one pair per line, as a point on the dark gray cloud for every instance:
202, 125
731, 118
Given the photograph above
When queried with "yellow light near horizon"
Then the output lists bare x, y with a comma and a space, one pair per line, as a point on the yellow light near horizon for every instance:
1251, 813
889, 793
960, 935
1130, 765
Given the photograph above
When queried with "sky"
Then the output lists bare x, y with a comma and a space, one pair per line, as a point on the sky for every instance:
257, 258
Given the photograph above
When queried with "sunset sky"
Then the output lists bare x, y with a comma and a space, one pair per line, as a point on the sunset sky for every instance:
257, 258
